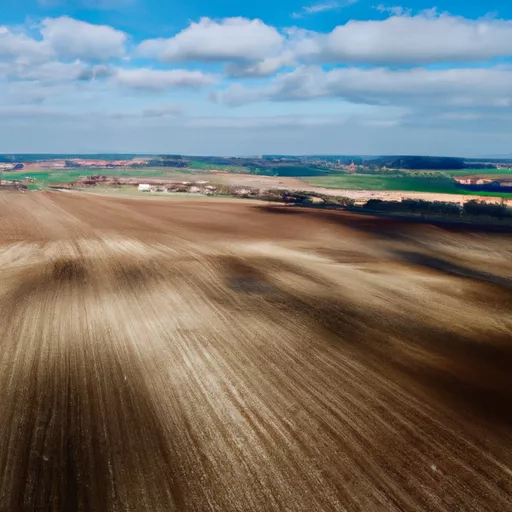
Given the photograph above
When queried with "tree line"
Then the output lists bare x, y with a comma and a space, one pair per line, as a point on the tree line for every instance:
471, 208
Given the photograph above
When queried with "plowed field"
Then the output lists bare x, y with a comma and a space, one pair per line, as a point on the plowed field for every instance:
194, 356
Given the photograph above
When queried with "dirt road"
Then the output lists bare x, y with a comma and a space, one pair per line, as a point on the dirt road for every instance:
219, 356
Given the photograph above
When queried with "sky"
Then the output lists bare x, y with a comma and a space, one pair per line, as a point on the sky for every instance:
224, 77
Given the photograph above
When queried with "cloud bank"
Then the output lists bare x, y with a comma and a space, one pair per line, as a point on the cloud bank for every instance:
427, 70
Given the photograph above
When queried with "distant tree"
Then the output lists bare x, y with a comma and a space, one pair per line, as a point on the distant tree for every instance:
477, 208
296, 198
415, 206
343, 201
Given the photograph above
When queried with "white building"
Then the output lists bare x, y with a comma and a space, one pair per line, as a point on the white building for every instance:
144, 188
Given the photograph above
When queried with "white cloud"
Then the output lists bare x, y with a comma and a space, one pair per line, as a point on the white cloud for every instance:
252, 48
309, 10
380, 86
96, 72
265, 67
52, 72
75, 72
61, 38
210, 40
18, 47
154, 79
314, 9
73, 39
403, 39
396, 10
327, 6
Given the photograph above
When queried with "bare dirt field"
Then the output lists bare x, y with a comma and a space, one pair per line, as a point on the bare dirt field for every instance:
194, 356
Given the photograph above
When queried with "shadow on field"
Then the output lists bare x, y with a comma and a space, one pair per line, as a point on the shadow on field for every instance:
41, 279
281, 210
379, 227
453, 269
468, 374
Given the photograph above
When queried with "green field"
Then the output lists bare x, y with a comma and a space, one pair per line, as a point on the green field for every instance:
413, 181
407, 184
47, 177
205, 166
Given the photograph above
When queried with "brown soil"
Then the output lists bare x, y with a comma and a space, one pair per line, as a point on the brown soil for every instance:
226, 356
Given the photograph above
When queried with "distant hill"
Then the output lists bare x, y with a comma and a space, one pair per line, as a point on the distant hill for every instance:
37, 157
507, 156
418, 162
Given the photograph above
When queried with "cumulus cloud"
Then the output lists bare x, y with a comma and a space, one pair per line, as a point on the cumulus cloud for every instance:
154, 79
220, 41
381, 86
252, 48
52, 72
71, 65
62, 38
265, 67
404, 39
73, 39
95, 72
19, 47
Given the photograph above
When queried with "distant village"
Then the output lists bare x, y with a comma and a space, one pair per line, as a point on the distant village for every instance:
165, 186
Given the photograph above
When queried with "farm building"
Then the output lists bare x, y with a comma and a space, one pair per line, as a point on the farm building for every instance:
473, 180
143, 187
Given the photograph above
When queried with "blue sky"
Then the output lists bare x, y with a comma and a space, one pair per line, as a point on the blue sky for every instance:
226, 77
